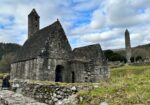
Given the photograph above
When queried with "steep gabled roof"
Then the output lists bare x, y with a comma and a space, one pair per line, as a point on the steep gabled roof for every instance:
33, 46
89, 52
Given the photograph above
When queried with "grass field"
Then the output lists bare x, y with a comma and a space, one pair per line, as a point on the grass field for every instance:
128, 85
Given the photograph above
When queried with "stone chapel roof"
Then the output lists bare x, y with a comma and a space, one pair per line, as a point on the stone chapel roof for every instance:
88, 52
33, 46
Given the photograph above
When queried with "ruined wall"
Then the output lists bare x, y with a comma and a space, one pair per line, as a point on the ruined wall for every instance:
53, 93
50, 94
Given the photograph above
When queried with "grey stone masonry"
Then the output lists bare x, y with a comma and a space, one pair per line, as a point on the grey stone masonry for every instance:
33, 23
53, 93
127, 46
47, 55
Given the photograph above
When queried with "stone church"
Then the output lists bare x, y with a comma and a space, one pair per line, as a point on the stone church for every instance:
47, 55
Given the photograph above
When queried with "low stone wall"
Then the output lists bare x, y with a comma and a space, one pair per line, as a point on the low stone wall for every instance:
140, 63
49, 94
53, 94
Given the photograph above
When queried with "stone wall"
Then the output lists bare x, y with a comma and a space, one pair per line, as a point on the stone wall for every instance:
45, 69
39, 69
25, 69
54, 93
52, 65
78, 68
90, 64
96, 72
49, 94
89, 72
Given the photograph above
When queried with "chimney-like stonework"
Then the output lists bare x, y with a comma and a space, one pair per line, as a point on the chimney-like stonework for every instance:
33, 23
127, 46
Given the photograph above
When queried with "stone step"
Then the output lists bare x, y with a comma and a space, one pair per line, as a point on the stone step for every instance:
11, 98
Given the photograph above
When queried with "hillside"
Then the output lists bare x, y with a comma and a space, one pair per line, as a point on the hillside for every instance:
6, 48
7, 54
143, 46
142, 50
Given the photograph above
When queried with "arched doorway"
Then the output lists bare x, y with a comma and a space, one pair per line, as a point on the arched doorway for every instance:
73, 77
58, 73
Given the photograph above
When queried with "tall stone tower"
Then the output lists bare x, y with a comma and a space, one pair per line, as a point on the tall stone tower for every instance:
33, 23
127, 46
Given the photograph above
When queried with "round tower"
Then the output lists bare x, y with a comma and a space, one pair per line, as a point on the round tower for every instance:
33, 23
127, 46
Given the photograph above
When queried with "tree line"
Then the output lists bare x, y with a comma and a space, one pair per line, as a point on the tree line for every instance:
114, 56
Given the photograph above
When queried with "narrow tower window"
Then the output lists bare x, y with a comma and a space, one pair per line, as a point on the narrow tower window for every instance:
36, 18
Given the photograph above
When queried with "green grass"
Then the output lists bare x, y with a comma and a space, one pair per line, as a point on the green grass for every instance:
128, 85
58, 83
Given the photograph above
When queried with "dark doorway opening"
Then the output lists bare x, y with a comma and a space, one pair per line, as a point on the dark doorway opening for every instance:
58, 73
73, 77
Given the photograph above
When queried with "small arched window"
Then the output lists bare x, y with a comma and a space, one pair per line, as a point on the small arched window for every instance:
36, 18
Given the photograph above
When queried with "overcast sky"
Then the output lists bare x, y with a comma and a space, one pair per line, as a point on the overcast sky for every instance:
84, 21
